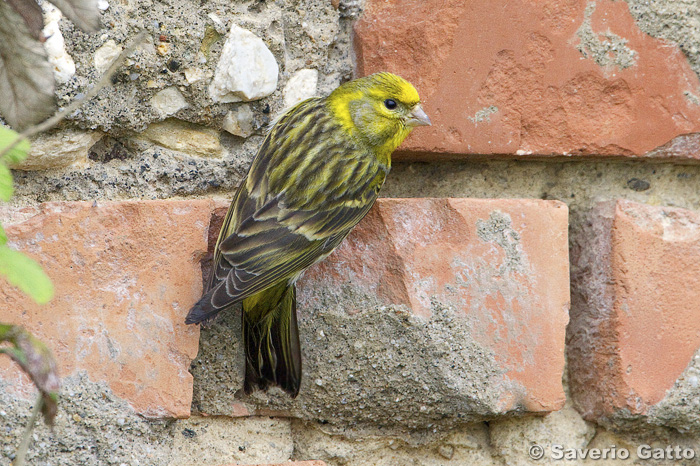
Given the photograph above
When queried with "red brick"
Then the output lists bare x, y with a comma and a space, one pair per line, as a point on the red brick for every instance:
635, 319
487, 278
522, 57
125, 275
501, 264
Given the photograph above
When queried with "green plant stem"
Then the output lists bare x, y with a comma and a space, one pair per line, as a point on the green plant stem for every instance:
26, 438
73, 106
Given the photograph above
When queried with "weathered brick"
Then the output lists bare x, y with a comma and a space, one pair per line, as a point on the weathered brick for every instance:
125, 274
432, 311
635, 325
553, 77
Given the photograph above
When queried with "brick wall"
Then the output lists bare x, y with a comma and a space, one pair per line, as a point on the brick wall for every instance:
530, 276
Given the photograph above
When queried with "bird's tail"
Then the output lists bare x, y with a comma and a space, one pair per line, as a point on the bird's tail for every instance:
271, 339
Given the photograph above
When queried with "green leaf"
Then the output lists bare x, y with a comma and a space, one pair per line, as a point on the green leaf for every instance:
19, 152
3, 236
26, 274
6, 188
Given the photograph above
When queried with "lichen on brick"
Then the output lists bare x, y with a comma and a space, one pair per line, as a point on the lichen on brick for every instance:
692, 98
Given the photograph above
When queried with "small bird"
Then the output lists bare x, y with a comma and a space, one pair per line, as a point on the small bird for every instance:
316, 174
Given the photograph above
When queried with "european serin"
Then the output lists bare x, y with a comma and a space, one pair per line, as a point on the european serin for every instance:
317, 173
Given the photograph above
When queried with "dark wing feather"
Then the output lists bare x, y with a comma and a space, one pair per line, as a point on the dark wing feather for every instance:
297, 204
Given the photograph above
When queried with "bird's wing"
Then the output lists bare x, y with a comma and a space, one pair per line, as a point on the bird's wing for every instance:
253, 192
290, 212
277, 243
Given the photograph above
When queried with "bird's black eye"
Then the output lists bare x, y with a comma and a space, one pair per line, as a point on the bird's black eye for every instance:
390, 104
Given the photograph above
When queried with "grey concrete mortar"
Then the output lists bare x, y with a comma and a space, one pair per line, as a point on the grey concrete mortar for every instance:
96, 428
680, 408
380, 370
579, 184
93, 427
137, 169
300, 34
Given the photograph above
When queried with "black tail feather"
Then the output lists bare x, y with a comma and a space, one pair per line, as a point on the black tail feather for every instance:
271, 340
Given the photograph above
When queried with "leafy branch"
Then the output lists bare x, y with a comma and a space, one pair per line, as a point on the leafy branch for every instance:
36, 360
27, 98
25, 273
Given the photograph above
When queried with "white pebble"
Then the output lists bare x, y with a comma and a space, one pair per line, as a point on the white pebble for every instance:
239, 122
168, 101
106, 54
300, 86
246, 71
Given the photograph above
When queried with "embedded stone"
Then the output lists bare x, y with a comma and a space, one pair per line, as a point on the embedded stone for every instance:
60, 59
106, 54
239, 121
300, 86
185, 137
168, 101
57, 150
193, 74
246, 70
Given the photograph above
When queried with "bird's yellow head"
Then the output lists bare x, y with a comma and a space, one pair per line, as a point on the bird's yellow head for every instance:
380, 109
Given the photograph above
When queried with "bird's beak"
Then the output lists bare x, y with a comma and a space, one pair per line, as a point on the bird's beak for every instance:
418, 117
